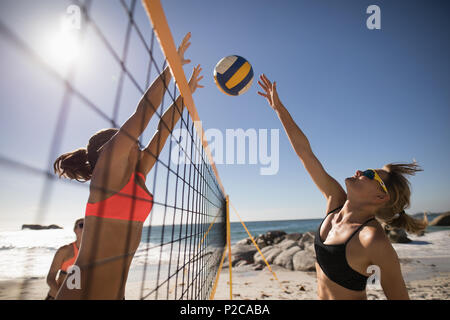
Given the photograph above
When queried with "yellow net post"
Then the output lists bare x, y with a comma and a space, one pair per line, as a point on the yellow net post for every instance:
161, 27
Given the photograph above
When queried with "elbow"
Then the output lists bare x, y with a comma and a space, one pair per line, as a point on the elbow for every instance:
50, 280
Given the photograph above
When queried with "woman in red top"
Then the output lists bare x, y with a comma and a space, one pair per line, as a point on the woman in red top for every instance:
64, 258
119, 201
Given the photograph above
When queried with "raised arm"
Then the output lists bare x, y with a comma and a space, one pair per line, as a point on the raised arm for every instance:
329, 187
51, 276
121, 144
166, 125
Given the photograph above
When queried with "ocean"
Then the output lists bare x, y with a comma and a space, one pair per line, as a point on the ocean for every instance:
29, 253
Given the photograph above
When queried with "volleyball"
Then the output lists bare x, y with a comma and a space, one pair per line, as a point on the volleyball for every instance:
233, 75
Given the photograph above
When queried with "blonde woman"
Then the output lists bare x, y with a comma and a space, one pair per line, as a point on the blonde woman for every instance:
350, 238
63, 259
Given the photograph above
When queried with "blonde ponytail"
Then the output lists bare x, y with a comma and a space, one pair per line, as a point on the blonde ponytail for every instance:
393, 214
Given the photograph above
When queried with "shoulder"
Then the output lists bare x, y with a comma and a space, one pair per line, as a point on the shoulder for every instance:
375, 241
64, 249
373, 237
62, 253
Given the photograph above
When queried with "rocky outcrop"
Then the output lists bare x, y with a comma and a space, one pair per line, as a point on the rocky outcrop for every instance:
396, 235
241, 254
441, 220
284, 259
306, 240
270, 255
304, 260
293, 251
39, 227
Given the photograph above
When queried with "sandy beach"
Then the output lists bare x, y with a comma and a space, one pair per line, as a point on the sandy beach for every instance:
425, 264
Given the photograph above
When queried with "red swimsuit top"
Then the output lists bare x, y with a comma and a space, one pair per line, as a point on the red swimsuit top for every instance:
66, 264
131, 203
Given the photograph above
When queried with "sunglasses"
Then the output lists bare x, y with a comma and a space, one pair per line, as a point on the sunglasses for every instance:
80, 225
373, 175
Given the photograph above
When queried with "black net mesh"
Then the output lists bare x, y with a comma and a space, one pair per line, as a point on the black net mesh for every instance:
184, 236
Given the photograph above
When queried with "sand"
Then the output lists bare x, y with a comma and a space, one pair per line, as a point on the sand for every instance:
425, 264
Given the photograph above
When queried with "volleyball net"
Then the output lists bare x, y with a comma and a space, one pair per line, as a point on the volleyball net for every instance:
184, 238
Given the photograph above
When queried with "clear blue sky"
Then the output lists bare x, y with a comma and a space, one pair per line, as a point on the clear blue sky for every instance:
363, 97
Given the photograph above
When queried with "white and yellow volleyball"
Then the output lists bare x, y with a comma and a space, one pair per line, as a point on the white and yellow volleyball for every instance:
233, 75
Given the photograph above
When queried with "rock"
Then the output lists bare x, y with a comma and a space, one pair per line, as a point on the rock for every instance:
265, 249
284, 259
294, 236
310, 248
270, 255
244, 241
286, 244
241, 263
261, 243
242, 252
278, 239
304, 261
441, 220
396, 235
271, 235
306, 239
39, 227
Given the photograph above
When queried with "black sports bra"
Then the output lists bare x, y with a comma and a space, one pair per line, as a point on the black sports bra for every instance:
331, 259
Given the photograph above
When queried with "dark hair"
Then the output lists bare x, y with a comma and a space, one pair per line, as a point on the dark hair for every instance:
80, 163
393, 214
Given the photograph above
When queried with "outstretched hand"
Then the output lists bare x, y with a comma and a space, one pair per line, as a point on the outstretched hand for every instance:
195, 78
270, 92
183, 47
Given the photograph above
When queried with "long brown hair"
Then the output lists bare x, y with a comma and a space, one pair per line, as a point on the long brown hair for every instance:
393, 213
80, 163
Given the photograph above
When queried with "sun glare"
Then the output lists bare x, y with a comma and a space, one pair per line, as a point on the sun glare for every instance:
63, 46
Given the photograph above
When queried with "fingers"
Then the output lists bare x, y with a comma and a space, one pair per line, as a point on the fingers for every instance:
263, 94
197, 71
195, 78
266, 80
186, 46
263, 86
185, 43
183, 47
187, 37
